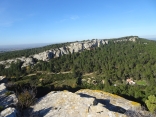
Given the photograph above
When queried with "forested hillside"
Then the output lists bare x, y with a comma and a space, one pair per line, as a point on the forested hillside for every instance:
107, 67
28, 52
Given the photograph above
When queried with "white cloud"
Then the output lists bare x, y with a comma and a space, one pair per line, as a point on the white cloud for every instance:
74, 17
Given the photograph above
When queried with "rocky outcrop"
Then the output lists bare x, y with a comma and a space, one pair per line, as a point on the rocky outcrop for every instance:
26, 61
7, 101
133, 39
84, 103
71, 48
2, 89
57, 52
9, 112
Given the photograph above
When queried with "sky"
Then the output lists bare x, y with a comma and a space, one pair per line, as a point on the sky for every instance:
56, 21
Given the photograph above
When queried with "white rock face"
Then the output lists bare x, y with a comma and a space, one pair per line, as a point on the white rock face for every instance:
2, 89
133, 39
63, 50
2, 77
57, 52
9, 112
73, 47
6, 100
27, 62
81, 104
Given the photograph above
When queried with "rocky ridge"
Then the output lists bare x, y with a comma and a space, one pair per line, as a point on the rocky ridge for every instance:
83, 103
57, 52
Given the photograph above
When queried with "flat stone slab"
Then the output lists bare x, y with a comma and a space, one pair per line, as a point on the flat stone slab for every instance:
83, 103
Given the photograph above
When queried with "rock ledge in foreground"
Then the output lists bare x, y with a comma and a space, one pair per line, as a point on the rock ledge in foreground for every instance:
83, 103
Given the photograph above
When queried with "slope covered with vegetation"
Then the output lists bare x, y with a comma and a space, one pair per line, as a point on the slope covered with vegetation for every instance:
28, 52
109, 65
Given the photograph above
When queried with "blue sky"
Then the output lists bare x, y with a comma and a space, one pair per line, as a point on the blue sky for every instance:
51, 21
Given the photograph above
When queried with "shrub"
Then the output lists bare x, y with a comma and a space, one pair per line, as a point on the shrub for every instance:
151, 103
1, 108
8, 93
26, 97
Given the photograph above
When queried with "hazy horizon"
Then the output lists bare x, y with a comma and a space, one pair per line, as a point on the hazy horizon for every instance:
40, 44
44, 44
36, 45
5, 48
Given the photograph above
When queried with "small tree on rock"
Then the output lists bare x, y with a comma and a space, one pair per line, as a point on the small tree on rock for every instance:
151, 103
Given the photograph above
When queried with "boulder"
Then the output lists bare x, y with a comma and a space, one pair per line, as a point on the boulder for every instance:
2, 89
9, 112
7, 100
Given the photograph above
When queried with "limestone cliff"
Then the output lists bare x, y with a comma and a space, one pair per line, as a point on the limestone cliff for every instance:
57, 52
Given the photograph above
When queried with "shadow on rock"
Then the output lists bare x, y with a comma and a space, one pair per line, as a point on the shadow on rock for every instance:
40, 113
106, 103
